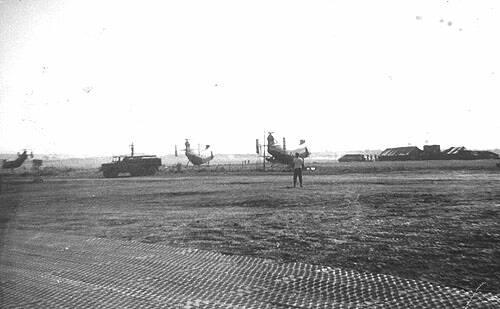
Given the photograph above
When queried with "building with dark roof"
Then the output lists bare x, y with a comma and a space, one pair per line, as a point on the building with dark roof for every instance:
482, 154
432, 152
461, 153
401, 154
457, 153
353, 158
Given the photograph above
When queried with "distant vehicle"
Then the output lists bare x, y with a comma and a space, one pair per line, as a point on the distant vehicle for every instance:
196, 158
279, 154
17, 162
145, 165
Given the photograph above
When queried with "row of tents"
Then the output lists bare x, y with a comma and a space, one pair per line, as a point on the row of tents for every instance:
430, 152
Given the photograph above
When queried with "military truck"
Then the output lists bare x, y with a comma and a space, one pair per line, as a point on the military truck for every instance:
133, 165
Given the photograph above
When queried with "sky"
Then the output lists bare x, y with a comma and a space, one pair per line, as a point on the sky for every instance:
87, 78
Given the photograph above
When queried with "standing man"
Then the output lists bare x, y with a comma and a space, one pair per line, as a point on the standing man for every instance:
298, 164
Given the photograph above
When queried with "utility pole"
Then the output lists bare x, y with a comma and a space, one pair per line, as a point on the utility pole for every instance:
260, 149
132, 149
264, 152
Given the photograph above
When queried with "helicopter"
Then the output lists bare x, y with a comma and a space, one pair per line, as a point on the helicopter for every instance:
279, 154
196, 158
12, 164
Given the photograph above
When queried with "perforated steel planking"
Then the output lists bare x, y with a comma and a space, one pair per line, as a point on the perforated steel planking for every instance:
41, 270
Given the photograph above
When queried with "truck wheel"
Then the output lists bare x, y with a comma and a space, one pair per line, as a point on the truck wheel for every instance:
152, 171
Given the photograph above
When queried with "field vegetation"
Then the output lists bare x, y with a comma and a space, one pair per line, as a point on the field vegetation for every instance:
436, 224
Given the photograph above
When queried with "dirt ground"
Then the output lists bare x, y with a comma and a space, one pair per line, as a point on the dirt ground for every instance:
438, 226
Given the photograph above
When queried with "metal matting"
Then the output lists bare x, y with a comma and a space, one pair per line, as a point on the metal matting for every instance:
43, 270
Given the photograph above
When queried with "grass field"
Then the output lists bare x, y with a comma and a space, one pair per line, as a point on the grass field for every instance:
441, 226
89, 168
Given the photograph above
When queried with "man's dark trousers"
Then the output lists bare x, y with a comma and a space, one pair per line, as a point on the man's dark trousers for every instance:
297, 172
